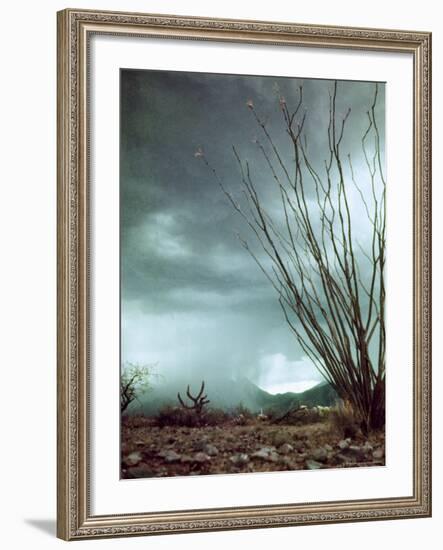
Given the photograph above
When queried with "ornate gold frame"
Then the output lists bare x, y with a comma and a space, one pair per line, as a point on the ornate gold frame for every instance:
75, 27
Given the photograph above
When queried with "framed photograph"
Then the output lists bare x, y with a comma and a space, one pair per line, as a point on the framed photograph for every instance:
244, 299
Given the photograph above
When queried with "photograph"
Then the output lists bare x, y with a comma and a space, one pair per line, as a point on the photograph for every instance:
252, 273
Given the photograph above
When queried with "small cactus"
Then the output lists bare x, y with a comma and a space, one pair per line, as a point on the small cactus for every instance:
199, 401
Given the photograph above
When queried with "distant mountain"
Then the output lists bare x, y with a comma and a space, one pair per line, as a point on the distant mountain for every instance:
322, 394
228, 394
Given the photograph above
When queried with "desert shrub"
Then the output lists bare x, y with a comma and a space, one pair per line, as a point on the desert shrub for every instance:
135, 381
310, 416
242, 409
213, 417
135, 421
179, 416
242, 416
345, 420
313, 415
240, 420
301, 416
243, 413
324, 412
271, 414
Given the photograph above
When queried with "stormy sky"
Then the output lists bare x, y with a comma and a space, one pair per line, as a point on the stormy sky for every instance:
193, 302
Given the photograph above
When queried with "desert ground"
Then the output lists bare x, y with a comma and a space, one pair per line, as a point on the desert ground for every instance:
155, 447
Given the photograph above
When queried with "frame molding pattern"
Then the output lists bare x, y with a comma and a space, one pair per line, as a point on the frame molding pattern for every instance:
75, 28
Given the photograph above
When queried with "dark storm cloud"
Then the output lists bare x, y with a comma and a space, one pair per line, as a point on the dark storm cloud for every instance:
182, 262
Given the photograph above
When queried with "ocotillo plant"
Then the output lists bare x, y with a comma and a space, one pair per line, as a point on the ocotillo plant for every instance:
331, 288
199, 401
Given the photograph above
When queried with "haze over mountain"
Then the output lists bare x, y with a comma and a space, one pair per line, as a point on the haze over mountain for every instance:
227, 394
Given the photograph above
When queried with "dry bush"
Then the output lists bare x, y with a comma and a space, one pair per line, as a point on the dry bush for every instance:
243, 409
271, 414
345, 420
135, 421
242, 416
214, 417
308, 416
179, 416
135, 381
301, 416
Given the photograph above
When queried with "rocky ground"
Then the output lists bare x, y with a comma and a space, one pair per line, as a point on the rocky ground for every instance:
152, 451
